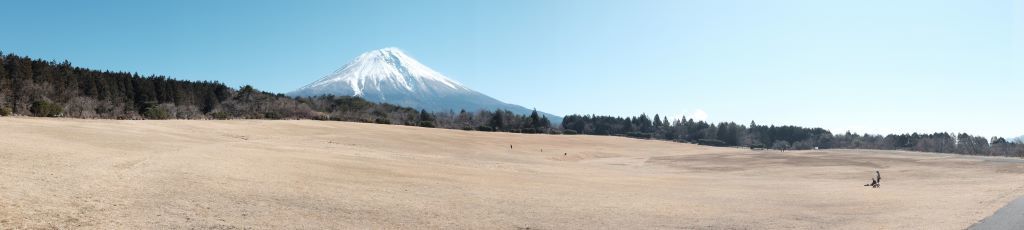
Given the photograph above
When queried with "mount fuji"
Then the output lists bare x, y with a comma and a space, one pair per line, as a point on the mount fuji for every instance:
390, 76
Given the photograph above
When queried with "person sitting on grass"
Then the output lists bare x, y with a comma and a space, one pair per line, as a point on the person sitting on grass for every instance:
876, 181
873, 183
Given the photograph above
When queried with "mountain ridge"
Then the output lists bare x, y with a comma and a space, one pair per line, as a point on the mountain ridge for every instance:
389, 75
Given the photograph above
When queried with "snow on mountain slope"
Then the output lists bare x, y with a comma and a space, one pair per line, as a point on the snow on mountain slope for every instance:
382, 70
391, 76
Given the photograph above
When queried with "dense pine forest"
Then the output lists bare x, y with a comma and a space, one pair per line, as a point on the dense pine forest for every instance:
785, 137
50, 89
32, 87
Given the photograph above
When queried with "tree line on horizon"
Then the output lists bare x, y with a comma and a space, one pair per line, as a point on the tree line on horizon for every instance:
756, 136
33, 87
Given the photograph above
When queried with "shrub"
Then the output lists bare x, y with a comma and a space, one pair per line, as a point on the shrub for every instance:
5, 111
780, 145
220, 115
382, 121
641, 135
711, 142
427, 124
272, 115
467, 128
569, 132
46, 109
156, 113
484, 128
802, 145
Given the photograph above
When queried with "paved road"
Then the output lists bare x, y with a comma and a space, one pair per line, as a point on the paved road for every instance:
1009, 217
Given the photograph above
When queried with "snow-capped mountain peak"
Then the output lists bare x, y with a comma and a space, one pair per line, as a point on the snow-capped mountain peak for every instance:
389, 75
385, 68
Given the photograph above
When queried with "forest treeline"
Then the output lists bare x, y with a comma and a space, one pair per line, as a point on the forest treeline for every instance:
33, 87
784, 137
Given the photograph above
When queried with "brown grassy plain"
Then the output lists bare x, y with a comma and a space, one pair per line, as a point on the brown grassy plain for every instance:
105, 174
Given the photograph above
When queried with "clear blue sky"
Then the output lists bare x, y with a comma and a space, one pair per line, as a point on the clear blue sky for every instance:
866, 66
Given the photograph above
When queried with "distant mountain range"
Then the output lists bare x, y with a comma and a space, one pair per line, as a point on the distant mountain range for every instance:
390, 76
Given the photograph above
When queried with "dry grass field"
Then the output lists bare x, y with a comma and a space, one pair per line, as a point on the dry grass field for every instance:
105, 174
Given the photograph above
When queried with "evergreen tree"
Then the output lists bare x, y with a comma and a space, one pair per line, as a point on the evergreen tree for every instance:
424, 116
498, 120
535, 119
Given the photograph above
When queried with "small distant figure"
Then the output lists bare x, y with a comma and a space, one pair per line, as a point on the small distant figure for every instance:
509, 146
876, 181
873, 184
565, 154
